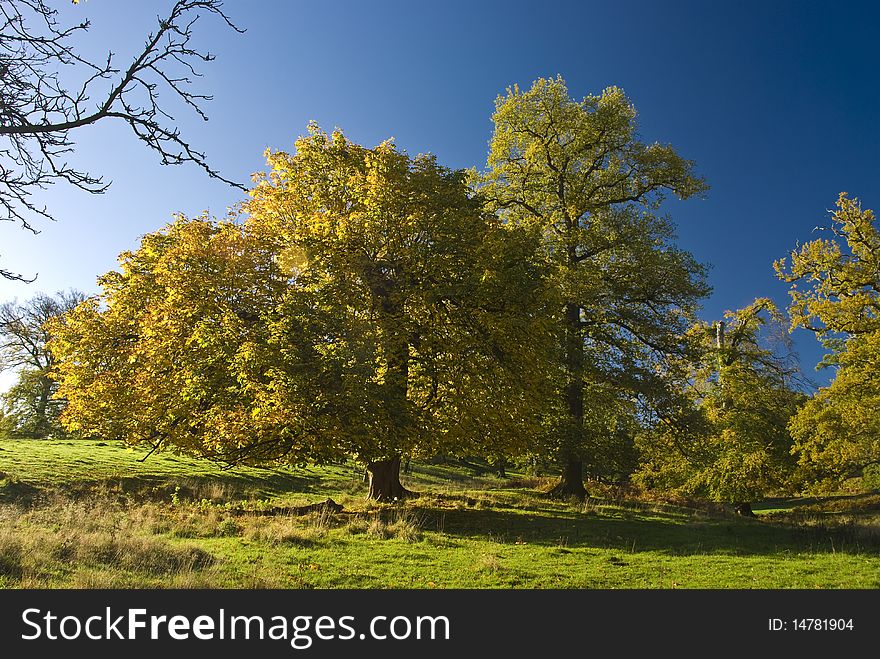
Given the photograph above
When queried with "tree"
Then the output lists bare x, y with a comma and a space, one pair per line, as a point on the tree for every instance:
50, 89
30, 409
835, 293
576, 173
729, 440
366, 306
421, 293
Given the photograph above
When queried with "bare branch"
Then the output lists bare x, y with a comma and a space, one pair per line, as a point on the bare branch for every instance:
38, 113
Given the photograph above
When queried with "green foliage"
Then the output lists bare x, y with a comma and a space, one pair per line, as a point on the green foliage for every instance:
619, 292
834, 288
729, 438
835, 292
610, 425
166, 353
411, 283
26, 413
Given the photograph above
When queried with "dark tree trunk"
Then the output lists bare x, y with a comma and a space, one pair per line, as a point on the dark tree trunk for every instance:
572, 482
385, 481
744, 509
42, 406
384, 475
500, 468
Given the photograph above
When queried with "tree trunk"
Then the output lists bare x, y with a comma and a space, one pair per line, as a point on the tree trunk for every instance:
384, 475
744, 509
43, 406
500, 470
385, 481
572, 482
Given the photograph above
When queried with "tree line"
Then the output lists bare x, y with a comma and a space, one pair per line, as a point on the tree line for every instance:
368, 304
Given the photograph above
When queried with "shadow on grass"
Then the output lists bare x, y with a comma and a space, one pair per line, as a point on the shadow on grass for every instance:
15, 491
456, 472
660, 532
866, 502
223, 487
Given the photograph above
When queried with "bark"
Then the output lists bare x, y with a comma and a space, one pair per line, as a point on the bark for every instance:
572, 482
500, 470
384, 475
43, 402
385, 482
744, 509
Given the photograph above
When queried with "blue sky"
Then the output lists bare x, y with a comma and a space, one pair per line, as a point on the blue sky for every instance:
777, 102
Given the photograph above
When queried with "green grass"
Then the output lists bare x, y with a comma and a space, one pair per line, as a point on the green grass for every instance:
82, 465
90, 514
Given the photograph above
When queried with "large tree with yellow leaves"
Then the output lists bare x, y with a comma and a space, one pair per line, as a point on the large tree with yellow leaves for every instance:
365, 306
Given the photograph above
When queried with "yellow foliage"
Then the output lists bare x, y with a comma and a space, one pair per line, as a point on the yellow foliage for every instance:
350, 312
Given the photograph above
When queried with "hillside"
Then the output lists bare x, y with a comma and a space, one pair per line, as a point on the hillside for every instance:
92, 514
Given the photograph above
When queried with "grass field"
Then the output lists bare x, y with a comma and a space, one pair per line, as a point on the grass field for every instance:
92, 514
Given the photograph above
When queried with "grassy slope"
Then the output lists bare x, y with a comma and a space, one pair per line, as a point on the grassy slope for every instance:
87, 514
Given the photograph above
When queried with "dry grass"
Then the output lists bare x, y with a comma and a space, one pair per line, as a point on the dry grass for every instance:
288, 530
402, 523
488, 562
837, 531
94, 544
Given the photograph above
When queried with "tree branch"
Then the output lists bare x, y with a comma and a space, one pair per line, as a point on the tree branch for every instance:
38, 115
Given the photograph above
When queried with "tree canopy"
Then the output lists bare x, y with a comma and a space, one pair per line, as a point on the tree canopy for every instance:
729, 440
365, 306
577, 174
370, 304
835, 292
30, 408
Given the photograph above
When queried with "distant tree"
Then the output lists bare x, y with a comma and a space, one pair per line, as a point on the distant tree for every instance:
29, 407
50, 89
576, 173
366, 306
729, 439
835, 293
